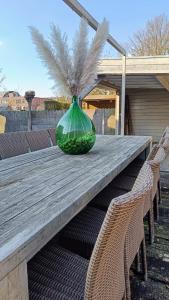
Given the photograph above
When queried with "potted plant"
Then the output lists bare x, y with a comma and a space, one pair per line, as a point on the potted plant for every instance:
72, 70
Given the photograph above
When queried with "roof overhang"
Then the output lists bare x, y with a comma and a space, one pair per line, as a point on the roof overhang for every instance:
100, 98
141, 72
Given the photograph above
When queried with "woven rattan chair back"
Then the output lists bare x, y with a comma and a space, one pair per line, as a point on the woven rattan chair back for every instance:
165, 134
38, 140
135, 233
105, 276
153, 152
155, 165
145, 174
13, 144
165, 145
161, 153
52, 136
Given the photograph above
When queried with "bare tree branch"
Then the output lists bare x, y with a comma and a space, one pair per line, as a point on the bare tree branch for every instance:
151, 40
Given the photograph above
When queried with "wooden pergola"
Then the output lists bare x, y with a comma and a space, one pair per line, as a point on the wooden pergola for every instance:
141, 72
147, 91
82, 12
100, 101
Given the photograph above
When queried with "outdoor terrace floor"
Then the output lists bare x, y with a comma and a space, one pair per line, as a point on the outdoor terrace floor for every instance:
157, 286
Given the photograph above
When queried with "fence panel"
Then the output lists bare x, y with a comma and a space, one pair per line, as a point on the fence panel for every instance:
103, 120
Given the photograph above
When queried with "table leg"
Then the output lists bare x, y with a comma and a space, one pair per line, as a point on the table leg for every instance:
15, 285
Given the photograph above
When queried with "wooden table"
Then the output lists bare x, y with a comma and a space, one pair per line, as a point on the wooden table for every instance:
40, 192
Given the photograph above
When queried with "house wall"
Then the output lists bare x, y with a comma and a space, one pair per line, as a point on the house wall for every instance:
149, 111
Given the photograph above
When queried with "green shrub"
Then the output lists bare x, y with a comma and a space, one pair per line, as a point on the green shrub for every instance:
56, 105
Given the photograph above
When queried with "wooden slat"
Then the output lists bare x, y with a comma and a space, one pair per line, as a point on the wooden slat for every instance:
25, 159
135, 65
164, 80
41, 202
149, 112
136, 81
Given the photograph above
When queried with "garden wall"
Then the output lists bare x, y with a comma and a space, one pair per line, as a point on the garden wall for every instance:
104, 120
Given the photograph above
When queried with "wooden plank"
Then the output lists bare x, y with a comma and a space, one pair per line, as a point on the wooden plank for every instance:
23, 159
149, 112
135, 65
35, 209
43, 186
136, 81
40, 187
117, 114
4, 289
164, 80
15, 285
123, 93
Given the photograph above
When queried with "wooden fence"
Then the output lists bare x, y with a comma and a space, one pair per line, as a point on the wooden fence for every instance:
103, 119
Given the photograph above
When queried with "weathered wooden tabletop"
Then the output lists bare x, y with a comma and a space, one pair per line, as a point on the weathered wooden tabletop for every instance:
41, 191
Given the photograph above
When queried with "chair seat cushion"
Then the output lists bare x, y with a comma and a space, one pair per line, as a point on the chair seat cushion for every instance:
81, 233
133, 169
57, 273
103, 199
124, 182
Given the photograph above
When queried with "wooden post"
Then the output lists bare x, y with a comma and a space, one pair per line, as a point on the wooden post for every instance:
29, 95
103, 120
29, 116
15, 285
117, 113
123, 87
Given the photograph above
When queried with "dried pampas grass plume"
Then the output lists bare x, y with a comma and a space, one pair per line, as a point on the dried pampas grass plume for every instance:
71, 72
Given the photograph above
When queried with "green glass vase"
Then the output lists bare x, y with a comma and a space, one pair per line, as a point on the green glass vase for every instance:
75, 132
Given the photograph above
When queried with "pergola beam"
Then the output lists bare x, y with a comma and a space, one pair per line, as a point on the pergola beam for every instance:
82, 12
123, 87
164, 80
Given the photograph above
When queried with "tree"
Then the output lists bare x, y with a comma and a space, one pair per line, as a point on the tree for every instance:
151, 40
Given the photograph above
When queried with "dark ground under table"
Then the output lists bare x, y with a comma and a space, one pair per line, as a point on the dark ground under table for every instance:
157, 286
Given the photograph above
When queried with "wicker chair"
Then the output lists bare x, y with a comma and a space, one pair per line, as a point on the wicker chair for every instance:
81, 233
155, 162
57, 273
127, 178
113, 232
103, 199
38, 140
165, 134
13, 144
135, 235
152, 206
52, 136
124, 183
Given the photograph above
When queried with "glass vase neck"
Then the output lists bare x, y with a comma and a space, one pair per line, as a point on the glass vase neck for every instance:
75, 99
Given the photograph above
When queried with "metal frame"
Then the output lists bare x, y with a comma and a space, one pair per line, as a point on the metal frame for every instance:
123, 95
82, 12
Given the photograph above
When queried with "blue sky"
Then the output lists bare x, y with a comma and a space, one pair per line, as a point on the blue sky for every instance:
18, 58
